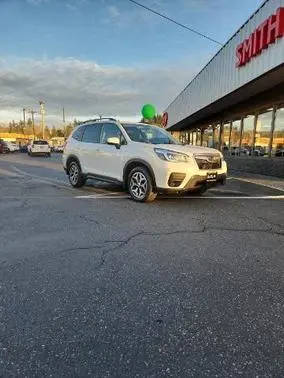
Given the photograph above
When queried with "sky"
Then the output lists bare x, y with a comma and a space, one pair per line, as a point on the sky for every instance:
106, 57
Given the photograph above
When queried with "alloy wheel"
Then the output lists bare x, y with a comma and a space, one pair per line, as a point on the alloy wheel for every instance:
138, 185
73, 173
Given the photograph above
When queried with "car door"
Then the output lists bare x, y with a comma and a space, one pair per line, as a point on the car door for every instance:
110, 157
89, 148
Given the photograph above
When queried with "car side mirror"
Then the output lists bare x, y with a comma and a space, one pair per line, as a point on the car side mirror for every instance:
114, 141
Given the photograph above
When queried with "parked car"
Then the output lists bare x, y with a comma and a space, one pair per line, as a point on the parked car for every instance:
24, 148
235, 151
279, 152
145, 159
39, 147
58, 148
3, 147
13, 147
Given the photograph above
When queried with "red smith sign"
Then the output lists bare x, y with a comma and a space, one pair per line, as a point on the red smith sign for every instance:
266, 34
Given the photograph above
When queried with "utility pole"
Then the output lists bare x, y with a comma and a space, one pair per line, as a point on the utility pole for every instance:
33, 121
42, 112
32, 112
24, 117
63, 119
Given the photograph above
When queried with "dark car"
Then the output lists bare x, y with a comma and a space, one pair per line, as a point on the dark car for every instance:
3, 147
280, 152
24, 148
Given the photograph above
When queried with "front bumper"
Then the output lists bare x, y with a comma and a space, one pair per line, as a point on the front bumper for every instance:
196, 182
178, 177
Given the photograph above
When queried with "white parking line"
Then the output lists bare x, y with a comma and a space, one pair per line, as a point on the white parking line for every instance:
281, 197
102, 196
257, 182
8, 173
97, 197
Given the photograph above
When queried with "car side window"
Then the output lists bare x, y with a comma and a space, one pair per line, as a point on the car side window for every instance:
111, 130
92, 133
78, 133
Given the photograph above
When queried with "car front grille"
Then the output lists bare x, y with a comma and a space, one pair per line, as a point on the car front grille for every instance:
208, 161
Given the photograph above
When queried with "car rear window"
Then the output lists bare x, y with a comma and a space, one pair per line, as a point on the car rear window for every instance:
40, 142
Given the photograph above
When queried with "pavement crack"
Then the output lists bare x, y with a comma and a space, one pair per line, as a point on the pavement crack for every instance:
257, 230
122, 243
271, 223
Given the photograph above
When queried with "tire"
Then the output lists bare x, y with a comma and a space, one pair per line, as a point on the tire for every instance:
140, 185
48, 154
76, 178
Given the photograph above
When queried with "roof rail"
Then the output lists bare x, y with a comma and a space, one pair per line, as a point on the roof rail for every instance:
98, 119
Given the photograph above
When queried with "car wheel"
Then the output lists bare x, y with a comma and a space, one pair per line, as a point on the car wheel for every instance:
75, 175
140, 185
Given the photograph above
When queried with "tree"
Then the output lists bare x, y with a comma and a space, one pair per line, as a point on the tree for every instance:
53, 132
21, 127
157, 120
68, 130
47, 133
59, 133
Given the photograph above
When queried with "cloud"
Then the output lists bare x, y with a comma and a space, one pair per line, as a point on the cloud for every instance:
113, 11
86, 88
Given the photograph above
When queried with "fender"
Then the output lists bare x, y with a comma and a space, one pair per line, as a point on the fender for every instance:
139, 162
72, 157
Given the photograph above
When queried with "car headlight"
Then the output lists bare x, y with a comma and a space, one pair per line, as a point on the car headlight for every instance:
173, 156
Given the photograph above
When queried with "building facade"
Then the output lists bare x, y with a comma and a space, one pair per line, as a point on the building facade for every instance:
236, 103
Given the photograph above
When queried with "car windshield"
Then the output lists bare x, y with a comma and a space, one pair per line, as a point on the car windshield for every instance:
148, 134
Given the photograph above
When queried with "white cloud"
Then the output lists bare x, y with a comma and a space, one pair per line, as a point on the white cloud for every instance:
86, 88
113, 11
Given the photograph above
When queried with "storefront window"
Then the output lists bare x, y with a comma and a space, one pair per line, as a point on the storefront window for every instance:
226, 137
278, 136
262, 133
247, 136
235, 138
190, 137
216, 135
198, 138
208, 137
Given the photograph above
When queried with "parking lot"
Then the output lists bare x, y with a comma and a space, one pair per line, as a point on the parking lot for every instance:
95, 284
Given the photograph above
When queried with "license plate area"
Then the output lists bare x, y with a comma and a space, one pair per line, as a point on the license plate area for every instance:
212, 176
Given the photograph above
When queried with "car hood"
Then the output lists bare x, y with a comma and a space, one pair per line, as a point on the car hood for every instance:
188, 149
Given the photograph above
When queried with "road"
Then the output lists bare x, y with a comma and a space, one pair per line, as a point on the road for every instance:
94, 284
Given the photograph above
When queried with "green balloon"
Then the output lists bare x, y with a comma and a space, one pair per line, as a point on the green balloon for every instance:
148, 111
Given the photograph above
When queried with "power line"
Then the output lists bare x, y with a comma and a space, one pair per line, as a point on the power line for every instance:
175, 22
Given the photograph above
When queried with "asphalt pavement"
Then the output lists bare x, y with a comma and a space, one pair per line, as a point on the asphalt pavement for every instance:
94, 284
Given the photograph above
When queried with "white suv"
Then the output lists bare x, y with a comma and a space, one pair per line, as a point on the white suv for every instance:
144, 158
39, 147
